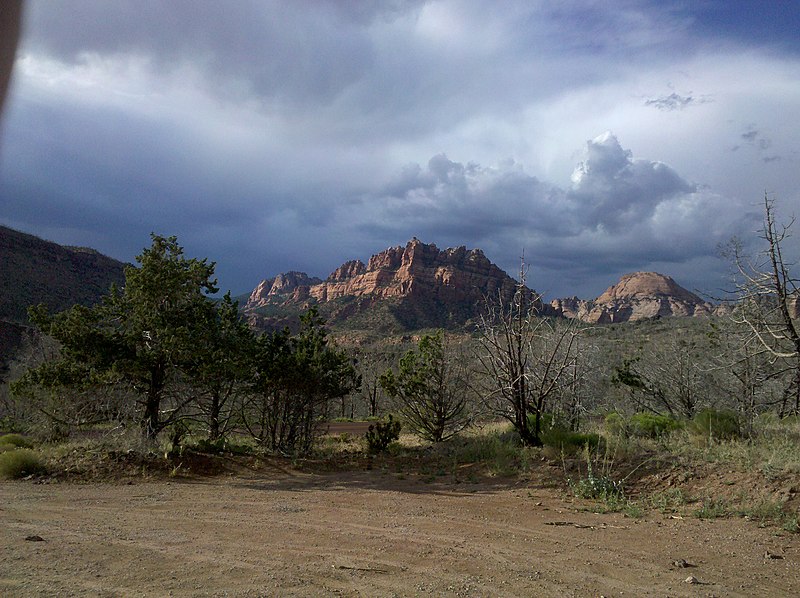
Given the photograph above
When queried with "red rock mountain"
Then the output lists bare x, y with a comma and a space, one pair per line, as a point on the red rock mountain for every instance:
450, 285
637, 296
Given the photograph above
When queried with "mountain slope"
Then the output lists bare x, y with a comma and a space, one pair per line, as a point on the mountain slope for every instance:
34, 271
37, 271
420, 285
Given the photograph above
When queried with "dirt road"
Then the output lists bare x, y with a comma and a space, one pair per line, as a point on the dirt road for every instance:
367, 534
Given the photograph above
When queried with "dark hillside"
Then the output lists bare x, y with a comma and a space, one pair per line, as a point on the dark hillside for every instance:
37, 271
34, 271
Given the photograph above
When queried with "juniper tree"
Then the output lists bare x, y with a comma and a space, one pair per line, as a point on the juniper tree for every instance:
296, 378
431, 389
140, 337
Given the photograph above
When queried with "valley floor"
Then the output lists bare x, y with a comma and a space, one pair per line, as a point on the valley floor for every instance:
368, 533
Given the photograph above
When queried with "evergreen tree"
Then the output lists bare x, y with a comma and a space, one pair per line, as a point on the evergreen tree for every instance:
142, 336
430, 389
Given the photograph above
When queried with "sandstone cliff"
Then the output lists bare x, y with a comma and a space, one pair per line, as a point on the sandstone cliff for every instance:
637, 296
292, 284
449, 286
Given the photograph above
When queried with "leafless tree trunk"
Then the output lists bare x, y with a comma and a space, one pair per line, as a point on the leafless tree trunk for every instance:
526, 360
370, 366
768, 300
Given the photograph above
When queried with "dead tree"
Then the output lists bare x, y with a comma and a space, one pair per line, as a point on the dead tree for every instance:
526, 359
767, 306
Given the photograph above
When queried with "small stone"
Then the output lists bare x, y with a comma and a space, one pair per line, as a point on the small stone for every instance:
34, 538
771, 555
691, 579
682, 564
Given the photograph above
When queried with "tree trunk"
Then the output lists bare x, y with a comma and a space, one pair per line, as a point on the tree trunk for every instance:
213, 417
151, 422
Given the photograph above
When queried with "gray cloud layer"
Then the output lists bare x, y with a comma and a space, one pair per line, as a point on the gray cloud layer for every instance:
281, 135
618, 213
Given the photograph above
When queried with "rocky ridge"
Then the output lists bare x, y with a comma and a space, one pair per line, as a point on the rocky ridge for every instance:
637, 296
453, 282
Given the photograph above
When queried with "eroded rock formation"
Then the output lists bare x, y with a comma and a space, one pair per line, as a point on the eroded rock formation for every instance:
637, 296
455, 280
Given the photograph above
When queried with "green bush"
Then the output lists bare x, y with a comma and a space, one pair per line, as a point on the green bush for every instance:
597, 486
546, 422
718, 425
381, 434
570, 442
652, 425
220, 446
20, 463
16, 440
615, 424
556, 434
476, 448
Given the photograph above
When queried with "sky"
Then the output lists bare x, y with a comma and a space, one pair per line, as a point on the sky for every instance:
598, 138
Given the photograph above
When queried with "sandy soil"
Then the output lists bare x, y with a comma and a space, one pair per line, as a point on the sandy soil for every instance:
367, 533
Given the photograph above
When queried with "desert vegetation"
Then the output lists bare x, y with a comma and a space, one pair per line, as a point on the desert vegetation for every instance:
159, 373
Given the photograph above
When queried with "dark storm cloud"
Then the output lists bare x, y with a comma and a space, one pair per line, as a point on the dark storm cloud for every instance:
348, 69
618, 213
273, 49
449, 198
272, 135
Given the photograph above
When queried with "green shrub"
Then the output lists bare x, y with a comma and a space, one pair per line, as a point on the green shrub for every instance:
615, 424
791, 523
499, 450
20, 463
712, 508
670, 500
220, 446
176, 434
484, 446
16, 440
652, 425
570, 442
597, 486
547, 422
381, 434
718, 425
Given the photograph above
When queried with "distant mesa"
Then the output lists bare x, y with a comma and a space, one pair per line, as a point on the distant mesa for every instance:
637, 296
280, 286
428, 286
